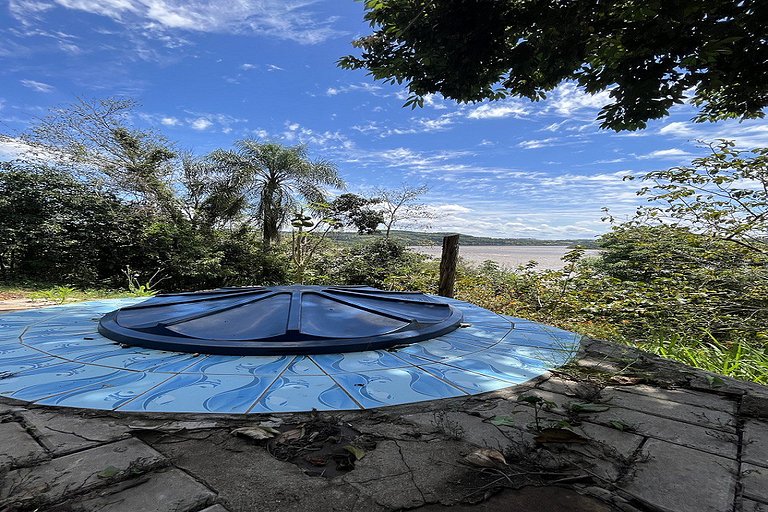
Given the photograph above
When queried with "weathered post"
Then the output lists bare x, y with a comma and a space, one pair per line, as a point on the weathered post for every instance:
448, 265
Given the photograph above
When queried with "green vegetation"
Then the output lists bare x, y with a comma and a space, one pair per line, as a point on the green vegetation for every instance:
686, 279
648, 54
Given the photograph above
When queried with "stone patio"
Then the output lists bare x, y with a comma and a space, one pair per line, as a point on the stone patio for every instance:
617, 430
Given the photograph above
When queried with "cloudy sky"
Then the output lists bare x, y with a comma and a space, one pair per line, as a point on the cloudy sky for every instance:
208, 73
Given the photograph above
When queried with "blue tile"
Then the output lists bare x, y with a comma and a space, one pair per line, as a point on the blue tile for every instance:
357, 361
484, 337
498, 366
15, 359
303, 365
70, 346
304, 393
138, 359
109, 394
545, 356
542, 340
395, 386
54, 379
240, 365
470, 382
202, 393
438, 349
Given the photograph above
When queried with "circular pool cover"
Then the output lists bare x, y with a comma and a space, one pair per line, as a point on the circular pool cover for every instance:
281, 320
54, 356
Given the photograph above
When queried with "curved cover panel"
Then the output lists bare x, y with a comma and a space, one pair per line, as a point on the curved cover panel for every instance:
281, 320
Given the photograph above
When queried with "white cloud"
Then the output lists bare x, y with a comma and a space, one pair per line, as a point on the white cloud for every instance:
672, 153
509, 108
746, 134
281, 19
369, 88
537, 143
201, 124
170, 121
37, 86
247, 66
272, 67
567, 99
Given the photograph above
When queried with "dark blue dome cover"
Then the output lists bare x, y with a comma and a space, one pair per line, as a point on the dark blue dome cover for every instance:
281, 320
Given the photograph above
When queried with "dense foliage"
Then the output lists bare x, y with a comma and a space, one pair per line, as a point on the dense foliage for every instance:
647, 53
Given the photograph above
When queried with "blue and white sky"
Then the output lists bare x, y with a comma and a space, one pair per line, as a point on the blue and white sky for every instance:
208, 73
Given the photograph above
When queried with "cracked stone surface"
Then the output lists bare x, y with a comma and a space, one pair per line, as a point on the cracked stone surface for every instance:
18, 446
641, 435
62, 434
167, 491
81, 471
678, 479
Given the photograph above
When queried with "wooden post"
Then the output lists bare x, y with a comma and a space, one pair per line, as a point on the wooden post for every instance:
448, 265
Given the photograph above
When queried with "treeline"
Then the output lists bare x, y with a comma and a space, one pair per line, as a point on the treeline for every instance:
436, 238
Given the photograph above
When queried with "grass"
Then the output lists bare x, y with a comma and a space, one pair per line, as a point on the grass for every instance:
740, 360
46, 291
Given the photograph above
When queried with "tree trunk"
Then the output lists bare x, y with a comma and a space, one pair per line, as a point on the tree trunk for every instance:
448, 265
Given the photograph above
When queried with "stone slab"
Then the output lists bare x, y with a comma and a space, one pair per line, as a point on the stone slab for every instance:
755, 404
678, 479
681, 396
753, 506
459, 425
754, 481
697, 437
77, 473
665, 408
166, 491
17, 447
65, 433
755, 443
215, 508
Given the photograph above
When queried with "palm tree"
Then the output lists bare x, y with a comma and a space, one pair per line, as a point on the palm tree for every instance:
278, 178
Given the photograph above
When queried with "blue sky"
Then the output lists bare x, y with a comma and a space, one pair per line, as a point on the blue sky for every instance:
209, 73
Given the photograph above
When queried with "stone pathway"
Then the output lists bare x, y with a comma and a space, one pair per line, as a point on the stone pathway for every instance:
618, 430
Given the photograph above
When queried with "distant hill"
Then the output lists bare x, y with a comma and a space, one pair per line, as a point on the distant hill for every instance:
420, 238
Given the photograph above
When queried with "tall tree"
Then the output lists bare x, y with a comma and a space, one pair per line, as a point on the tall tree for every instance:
357, 211
647, 53
402, 203
278, 178
94, 139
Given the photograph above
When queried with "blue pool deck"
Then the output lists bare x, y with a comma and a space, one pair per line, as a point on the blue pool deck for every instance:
54, 356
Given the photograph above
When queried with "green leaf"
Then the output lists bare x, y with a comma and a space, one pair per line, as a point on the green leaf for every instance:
358, 452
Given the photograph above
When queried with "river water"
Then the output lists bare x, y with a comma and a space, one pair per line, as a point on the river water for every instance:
509, 256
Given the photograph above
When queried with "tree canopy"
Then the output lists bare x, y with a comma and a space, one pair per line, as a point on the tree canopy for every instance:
650, 54
277, 177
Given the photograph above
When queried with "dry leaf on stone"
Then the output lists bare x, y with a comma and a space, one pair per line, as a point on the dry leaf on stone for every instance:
290, 436
256, 433
358, 452
486, 458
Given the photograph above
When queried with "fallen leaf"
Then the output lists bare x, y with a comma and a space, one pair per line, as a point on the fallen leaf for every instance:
582, 407
624, 380
255, 433
715, 382
619, 425
358, 452
559, 435
289, 436
486, 458
503, 421
316, 460
108, 472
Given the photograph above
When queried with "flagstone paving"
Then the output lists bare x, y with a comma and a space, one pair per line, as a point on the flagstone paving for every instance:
618, 430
